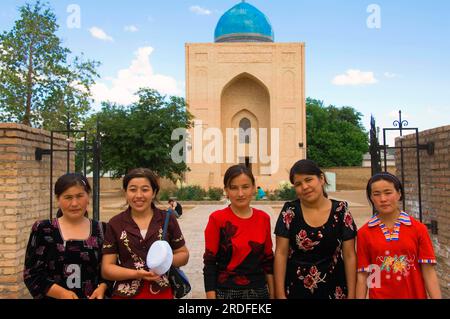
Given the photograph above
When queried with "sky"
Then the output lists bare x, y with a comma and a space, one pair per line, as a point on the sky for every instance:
378, 56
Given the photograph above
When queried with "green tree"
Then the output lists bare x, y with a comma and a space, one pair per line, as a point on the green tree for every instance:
139, 135
39, 86
336, 136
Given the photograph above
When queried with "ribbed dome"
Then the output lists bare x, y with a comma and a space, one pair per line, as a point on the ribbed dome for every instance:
243, 23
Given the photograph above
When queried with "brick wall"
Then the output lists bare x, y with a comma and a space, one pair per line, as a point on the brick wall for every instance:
24, 197
435, 181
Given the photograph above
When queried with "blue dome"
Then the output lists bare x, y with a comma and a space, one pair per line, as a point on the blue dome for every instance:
243, 23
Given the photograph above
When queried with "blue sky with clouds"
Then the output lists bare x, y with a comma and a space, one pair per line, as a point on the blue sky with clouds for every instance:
404, 64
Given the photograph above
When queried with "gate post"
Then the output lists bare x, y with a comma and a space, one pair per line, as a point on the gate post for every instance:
96, 178
375, 158
24, 194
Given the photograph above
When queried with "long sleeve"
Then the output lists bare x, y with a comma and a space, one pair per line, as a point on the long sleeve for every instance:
212, 236
35, 274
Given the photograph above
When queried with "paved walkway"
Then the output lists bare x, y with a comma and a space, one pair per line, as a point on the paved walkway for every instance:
194, 219
193, 223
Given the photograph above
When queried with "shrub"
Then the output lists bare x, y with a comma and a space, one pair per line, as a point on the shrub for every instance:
272, 196
215, 193
192, 192
165, 194
286, 192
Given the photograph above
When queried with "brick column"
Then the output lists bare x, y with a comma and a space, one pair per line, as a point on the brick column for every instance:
435, 181
24, 196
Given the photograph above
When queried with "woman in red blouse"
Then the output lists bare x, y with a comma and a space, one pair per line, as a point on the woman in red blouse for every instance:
395, 254
129, 236
238, 258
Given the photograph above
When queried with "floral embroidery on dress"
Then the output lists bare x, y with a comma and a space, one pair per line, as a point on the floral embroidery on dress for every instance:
315, 266
288, 215
49, 258
129, 289
341, 205
339, 293
139, 264
291, 252
137, 260
303, 242
336, 256
311, 280
160, 233
92, 242
398, 265
178, 239
348, 220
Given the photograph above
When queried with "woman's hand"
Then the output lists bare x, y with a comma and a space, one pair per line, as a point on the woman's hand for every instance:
58, 292
147, 275
68, 294
99, 293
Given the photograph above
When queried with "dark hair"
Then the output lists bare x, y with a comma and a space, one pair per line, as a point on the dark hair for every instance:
67, 181
234, 171
384, 176
170, 200
307, 167
142, 173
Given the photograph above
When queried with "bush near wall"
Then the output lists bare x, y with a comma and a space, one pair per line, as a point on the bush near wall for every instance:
196, 193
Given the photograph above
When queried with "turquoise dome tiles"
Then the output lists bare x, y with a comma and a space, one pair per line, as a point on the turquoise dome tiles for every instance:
243, 23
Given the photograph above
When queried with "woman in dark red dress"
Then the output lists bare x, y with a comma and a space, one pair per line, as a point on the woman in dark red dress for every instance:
129, 236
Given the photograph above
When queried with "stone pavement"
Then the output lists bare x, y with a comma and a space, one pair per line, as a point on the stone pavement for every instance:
195, 218
193, 223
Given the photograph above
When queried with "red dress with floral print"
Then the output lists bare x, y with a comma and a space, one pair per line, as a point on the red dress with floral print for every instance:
315, 266
238, 252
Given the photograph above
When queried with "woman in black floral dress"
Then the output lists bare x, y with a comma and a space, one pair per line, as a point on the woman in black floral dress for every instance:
315, 254
63, 255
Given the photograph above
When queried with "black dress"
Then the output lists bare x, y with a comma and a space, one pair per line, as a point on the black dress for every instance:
72, 264
315, 267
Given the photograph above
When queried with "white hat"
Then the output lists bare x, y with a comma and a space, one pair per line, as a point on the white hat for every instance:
160, 257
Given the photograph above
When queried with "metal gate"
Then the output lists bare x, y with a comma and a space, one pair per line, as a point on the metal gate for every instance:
400, 125
94, 150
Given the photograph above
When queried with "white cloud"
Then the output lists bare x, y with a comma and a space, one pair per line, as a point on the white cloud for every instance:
100, 34
138, 75
131, 28
355, 77
199, 10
